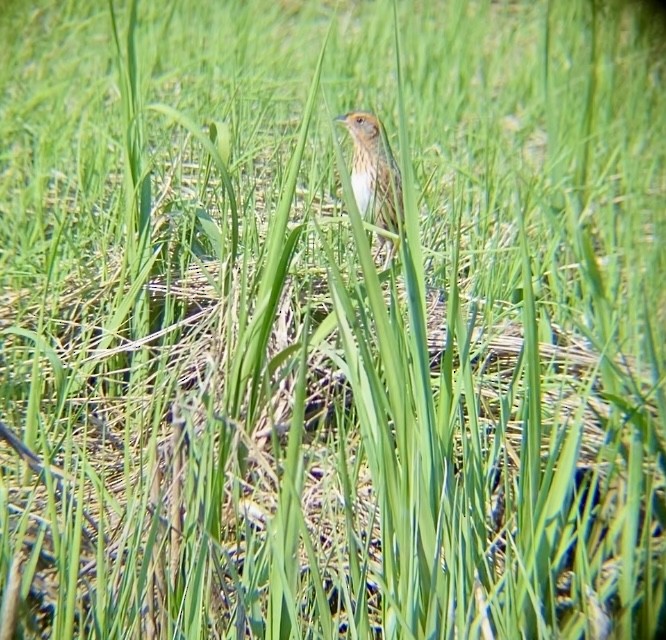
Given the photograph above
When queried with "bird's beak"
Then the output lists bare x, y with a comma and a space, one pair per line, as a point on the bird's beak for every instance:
341, 119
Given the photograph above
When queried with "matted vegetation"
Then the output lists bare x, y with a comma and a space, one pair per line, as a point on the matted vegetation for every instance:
220, 418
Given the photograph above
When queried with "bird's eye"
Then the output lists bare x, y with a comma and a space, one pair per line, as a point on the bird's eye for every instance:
360, 120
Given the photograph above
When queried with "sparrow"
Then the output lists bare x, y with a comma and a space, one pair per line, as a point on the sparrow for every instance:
375, 175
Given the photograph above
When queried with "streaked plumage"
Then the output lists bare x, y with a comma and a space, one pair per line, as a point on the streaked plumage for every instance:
375, 175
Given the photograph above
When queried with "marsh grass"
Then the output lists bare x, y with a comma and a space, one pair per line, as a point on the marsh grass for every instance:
219, 418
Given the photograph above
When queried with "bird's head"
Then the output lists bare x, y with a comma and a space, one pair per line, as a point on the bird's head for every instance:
363, 127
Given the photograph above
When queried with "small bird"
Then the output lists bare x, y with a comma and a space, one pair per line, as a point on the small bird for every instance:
375, 175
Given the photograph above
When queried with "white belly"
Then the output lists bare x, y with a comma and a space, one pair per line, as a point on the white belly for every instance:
362, 191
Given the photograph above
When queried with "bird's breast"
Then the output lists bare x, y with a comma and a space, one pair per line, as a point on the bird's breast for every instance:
362, 185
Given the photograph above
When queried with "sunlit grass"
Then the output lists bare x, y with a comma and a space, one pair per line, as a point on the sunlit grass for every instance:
221, 418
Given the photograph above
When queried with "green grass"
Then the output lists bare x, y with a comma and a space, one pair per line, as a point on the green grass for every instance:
220, 418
